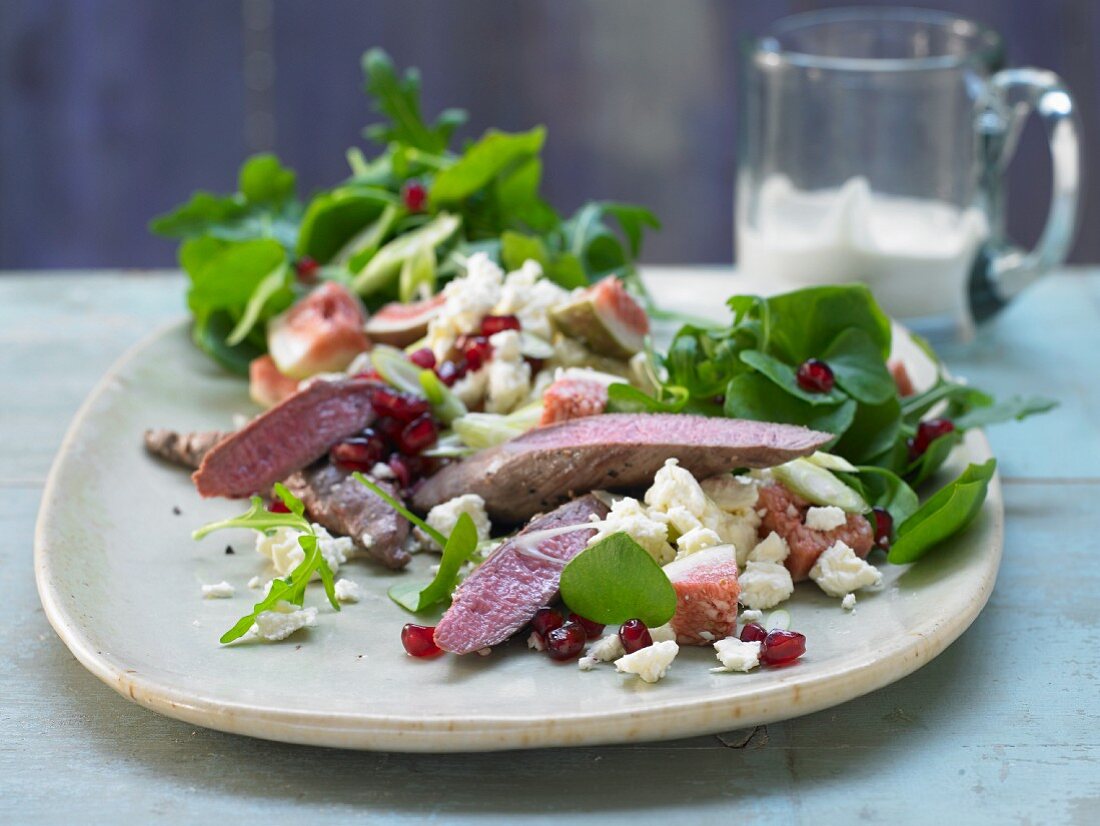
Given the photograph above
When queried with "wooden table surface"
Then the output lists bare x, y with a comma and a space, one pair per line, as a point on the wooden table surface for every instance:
1002, 728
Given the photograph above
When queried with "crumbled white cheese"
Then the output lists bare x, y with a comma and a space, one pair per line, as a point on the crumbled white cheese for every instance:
530, 297
662, 633
283, 620
255, 582
282, 548
471, 387
444, 517
382, 471
366, 540
749, 616
628, 516
849, 602
536, 641
772, 548
676, 493
697, 539
736, 655
650, 663
825, 519
764, 585
509, 380
839, 572
468, 299
219, 590
604, 650
347, 591
731, 493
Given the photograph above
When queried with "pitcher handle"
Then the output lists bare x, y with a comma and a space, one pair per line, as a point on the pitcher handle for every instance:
1004, 269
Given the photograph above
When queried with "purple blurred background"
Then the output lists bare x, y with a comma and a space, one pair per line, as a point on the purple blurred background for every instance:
114, 110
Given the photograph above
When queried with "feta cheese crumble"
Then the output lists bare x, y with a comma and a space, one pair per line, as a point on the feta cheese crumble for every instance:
347, 591
509, 375
695, 540
604, 650
839, 571
630, 517
283, 620
219, 590
444, 517
282, 548
772, 548
751, 616
255, 582
651, 663
764, 585
825, 519
849, 602
736, 655
662, 633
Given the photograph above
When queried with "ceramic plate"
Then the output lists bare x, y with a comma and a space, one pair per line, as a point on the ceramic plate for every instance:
119, 577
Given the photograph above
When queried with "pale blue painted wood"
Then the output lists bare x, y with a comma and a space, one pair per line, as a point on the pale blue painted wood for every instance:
1002, 727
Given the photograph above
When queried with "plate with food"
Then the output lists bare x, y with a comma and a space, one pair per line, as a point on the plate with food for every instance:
430, 469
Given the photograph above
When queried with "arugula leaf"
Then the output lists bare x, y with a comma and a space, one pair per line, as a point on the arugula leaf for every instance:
1012, 408
291, 588
616, 580
263, 180
857, 364
440, 539
459, 548
203, 212
752, 396
946, 513
784, 376
399, 99
486, 159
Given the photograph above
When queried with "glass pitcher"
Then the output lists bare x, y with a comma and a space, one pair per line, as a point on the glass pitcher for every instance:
873, 145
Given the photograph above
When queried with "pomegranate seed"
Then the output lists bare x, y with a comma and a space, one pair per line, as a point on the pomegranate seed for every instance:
884, 528
566, 642
423, 357
753, 632
417, 435
492, 324
592, 629
927, 432
419, 640
278, 507
414, 195
361, 451
815, 376
782, 647
545, 621
407, 469
478, 351
449, 372
307, 270
400, 406
634, 636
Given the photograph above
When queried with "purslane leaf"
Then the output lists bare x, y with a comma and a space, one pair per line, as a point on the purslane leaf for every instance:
616, 580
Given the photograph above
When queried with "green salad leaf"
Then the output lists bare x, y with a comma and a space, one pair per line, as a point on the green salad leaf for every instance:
946, 513
291, 588
616, 580
460, 547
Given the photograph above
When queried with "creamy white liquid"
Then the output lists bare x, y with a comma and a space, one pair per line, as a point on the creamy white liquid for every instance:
915, 254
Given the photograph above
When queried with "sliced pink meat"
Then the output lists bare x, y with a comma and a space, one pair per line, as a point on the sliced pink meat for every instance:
502, 595
786, 515
286, 438
706, 595
572, 398
550, 465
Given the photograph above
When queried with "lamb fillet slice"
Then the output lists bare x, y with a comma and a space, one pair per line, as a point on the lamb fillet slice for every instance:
290, 436
549, 465
186, 449
336, 501
502, 595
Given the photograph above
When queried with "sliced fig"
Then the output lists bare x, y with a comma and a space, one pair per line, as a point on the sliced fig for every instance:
399, 325
322, 333
266, 385
606, 318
